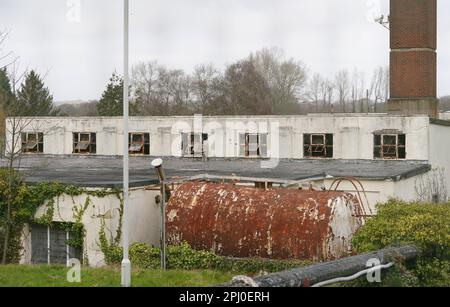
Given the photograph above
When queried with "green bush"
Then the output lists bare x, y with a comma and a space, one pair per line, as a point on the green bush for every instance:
114, 255
144, 256
183, 257
425, 225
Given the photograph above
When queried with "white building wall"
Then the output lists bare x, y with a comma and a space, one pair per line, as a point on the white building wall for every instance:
439, 150
406, 189
379, 191
353, 134
444, 115
375, 191
144, 221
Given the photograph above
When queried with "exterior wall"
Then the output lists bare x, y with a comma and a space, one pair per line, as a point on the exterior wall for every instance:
413, 58
413, 74
440, 149
144, 221
353, 134
405, 189
444, 116
376, 191
413, 24
379, 191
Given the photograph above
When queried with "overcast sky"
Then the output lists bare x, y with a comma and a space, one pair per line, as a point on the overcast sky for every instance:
78, 52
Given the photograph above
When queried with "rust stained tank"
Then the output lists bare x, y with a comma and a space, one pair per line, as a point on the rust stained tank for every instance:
274, 223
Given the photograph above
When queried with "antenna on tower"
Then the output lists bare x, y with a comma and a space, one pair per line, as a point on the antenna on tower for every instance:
383, 20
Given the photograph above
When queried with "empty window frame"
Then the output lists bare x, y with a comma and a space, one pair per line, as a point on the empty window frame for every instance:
253, 145
84, 143
193, 144
139, 143
389, 146
32, 142
318, 145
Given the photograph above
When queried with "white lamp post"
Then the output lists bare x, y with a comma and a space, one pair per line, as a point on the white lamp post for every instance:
126, 265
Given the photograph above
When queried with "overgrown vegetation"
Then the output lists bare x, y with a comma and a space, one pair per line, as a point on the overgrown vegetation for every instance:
19, 203
425, 225
183, 257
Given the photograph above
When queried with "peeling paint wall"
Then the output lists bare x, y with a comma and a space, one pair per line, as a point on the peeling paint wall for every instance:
144, 221
274, 223
353, 134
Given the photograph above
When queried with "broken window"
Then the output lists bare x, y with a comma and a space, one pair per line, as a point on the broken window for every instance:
318, 145
84, 143
194, 144
139, 143
253, 145
389, 146
32, 142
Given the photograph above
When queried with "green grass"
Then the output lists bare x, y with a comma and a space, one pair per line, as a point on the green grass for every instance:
55, 276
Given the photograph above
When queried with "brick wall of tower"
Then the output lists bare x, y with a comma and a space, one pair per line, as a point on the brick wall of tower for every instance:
413, 60
413, 74
413, 24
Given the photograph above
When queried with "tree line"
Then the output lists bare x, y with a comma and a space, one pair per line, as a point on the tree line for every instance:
264, 83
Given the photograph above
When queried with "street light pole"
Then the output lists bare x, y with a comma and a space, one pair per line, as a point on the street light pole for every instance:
126, 264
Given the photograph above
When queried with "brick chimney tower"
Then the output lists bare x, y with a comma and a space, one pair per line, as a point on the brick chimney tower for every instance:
413, 69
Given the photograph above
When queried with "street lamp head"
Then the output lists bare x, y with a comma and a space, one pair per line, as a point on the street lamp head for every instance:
157, 163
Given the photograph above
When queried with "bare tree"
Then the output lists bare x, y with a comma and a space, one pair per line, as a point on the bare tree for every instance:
316, 90
145, 77
161, 91
327, 89
245, 91
342, 83
13, 129
432, 187
180, 87
7, 58
206, 82
379, 87
174, 92
286, 78
358, 85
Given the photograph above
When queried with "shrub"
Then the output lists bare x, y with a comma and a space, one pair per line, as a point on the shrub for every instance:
183, 257
144, 256
425, 225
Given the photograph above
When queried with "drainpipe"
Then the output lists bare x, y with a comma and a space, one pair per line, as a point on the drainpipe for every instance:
165, 192
158, 165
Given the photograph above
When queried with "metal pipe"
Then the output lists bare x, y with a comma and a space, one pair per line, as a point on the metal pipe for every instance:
126, 265
67, 249
158, 165
354, 276
48, 245
165, 191
163, 228
317, 273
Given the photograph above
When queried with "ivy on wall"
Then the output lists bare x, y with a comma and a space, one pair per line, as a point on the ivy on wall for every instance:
25, 200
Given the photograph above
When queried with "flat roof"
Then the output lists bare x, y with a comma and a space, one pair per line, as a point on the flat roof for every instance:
99, 171
250, 117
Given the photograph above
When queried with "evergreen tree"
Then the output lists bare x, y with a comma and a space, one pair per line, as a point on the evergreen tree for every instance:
5, 90
34, 99
111, 103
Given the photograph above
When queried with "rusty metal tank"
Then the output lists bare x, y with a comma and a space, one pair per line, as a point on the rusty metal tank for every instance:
280, 223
